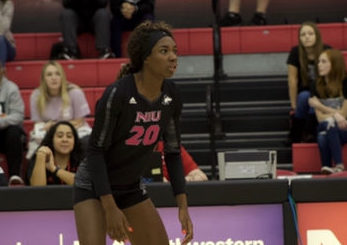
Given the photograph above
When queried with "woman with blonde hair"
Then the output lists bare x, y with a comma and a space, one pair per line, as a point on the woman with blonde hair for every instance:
55, 100
330, 105
302, 73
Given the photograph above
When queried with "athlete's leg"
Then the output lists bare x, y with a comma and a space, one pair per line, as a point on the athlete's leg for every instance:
147, 225
90, 222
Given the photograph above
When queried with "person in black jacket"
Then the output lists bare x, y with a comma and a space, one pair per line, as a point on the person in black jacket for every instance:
133, 114
79, 16
127, 14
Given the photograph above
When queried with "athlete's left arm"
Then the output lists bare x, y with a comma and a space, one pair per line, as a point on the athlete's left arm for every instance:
172, 154
172, 144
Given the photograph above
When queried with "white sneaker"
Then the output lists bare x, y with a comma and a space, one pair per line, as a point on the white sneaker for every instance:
327, 170
339, 168
15, 180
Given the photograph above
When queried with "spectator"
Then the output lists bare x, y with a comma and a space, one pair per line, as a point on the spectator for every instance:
11, 132
191, 170
330, 103
127, 14
81, 16
233, 17
57, 100
57, 158
302, 73
7, 42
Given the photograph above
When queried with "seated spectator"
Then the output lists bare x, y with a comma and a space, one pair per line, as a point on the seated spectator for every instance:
81, 16
127, 14
11, 132
57, 100
192, 172
7, 42
56, 160
330, 103
302, 62
233, 17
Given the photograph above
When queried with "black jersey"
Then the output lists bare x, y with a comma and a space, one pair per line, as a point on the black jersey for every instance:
127, 127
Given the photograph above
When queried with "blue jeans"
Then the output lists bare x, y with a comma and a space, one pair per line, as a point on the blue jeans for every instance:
330, 143
7, 51
302, 106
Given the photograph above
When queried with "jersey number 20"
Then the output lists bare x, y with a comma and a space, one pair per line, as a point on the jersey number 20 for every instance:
142, 135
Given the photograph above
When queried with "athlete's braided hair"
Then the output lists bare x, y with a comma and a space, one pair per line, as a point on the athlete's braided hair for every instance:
138, 45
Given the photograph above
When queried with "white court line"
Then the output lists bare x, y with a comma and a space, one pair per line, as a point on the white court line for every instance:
60, 239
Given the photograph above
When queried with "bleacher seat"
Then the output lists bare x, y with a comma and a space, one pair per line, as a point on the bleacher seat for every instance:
195, 41
306, 157
268, 39
92, 96
85, 73
26, 93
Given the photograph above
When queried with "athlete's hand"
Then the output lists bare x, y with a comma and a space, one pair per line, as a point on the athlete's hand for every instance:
187, 225
117, 225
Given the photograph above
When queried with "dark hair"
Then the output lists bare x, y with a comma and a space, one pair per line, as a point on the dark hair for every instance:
317, 49
76, 153
138, 44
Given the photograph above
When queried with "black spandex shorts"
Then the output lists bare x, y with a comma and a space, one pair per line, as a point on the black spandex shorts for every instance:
125, 196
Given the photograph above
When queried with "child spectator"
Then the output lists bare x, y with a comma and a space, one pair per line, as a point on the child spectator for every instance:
7, 42
57, 158
330, 104
57, 100
127, 14
302, 73
233, 17
82, 16
11, 132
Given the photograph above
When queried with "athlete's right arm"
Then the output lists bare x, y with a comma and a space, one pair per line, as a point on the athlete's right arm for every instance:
106, 114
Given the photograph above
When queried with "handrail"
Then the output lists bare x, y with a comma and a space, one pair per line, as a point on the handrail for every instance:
212, 97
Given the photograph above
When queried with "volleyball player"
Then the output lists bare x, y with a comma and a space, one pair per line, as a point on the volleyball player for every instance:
133, 114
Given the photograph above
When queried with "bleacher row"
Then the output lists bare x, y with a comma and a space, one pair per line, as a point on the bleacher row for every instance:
93, 75
196, 41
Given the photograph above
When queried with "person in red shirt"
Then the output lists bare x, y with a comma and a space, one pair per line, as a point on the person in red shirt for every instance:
192, 172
